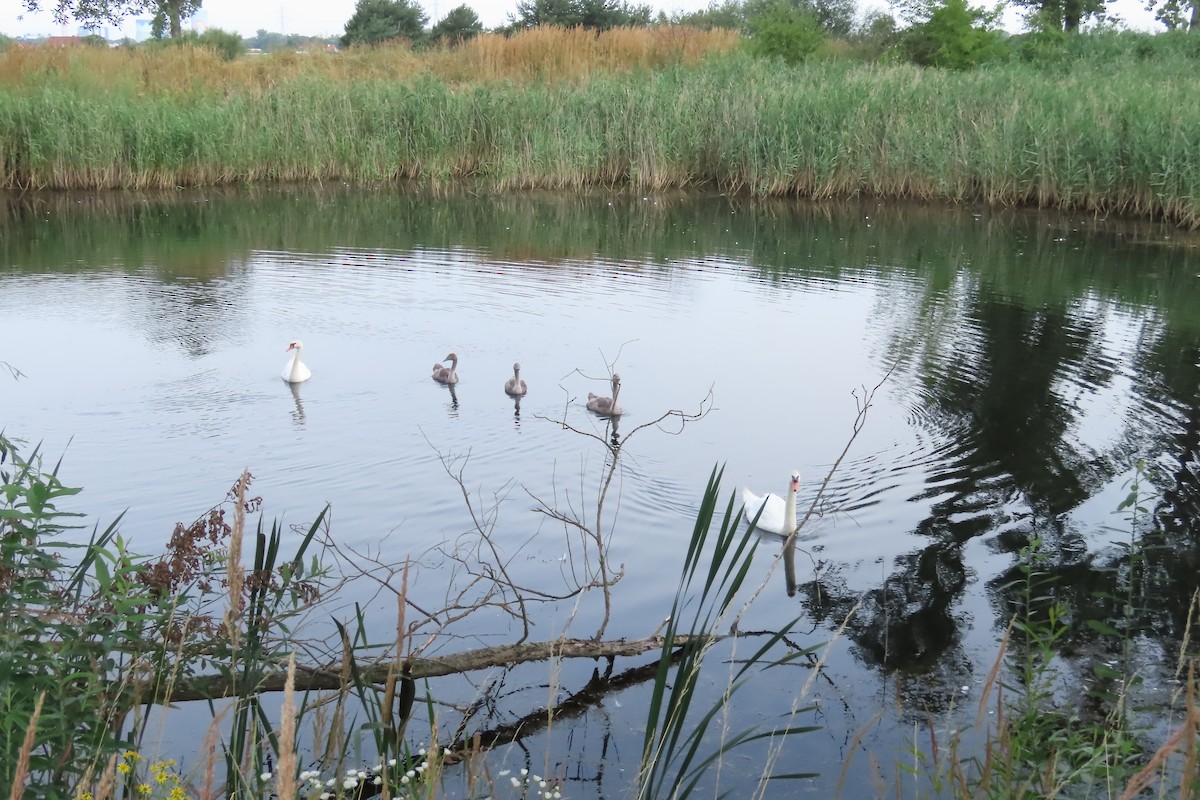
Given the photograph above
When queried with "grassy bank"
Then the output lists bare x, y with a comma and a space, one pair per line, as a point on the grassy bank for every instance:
644, 109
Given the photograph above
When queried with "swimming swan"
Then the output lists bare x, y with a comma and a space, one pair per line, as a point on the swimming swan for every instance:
606, 406
514, 386
778, 515
442, 374
294, 371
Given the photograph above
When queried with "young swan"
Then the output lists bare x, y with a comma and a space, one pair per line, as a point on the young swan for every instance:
514, 386
446, 375
606, 406
778, 515
294, 371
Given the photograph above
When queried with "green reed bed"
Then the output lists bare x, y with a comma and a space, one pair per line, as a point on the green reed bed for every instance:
1082, 135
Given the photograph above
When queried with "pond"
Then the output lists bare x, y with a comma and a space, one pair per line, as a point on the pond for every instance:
1025, 363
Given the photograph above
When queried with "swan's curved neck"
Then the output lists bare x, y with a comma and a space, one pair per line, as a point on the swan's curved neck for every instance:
616, 391
295, 362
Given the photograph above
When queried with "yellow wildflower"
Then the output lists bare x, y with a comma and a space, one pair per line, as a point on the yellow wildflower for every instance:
177, 794
123, 768
144, 789
133, 755
85, 795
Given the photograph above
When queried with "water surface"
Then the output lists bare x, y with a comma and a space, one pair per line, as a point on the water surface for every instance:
1025, 363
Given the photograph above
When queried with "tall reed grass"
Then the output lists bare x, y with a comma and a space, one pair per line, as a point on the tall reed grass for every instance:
551, 109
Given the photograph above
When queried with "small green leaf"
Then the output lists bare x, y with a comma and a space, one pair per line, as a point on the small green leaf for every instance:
1102, 627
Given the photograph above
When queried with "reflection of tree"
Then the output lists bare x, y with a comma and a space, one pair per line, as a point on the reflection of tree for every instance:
992, 387
997, 340
1001, 382
907, 625
195, 315
999, 399
1166, 380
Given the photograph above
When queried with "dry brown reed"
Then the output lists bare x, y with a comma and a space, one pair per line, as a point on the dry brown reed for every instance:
573, 54
235, 575
108, 780
22, 772
541, 53
285, 768
395, 727
1183, 740
208, 789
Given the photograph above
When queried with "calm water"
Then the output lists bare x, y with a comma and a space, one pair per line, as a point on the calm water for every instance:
1031, 361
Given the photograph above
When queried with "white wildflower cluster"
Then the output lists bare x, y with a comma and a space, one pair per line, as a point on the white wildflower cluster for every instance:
544, 789
347, 785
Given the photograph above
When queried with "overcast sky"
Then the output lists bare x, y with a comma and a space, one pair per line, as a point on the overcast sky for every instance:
328, 17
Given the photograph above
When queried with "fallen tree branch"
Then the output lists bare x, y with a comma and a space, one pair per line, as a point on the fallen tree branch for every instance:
206, 687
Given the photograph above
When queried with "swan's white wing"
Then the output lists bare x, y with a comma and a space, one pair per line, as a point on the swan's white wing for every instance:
772, 506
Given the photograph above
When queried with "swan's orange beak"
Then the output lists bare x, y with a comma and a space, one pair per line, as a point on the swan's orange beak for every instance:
291, 346
795, 484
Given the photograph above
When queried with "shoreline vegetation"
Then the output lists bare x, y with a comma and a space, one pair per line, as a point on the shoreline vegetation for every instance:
1107, 127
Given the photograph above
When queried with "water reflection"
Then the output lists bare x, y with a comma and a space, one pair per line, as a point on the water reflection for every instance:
612, 432
298, 410
1038, 358
789, 564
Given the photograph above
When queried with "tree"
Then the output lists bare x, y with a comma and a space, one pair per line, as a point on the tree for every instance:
834, 17
785, 31
168, 14
1176, 14
459, 24
727, 14
1062, 15
226, 44
597, 15
603, 15
532, 13
377, 21
955, 36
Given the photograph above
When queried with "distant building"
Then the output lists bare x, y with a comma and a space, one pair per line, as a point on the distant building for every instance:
64, 41
198, 22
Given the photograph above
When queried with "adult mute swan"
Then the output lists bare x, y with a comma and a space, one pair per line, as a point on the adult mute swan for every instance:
449, 374
606, 406
294, 371
778, 515
514, 386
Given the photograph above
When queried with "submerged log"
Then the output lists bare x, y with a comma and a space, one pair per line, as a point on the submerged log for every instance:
308, 678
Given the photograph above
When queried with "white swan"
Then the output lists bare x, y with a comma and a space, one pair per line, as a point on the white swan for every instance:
294, 371
606, 406
778, 515
443, 374
514, 386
